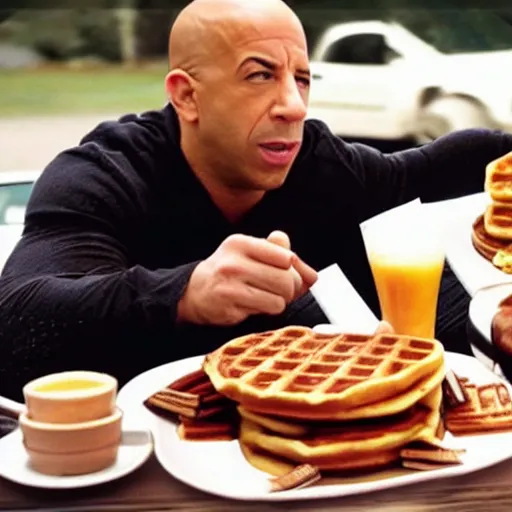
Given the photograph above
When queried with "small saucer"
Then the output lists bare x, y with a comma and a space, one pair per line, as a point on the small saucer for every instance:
135, 449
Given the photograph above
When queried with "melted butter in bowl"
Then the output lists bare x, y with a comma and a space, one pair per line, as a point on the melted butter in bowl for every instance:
68, 385
71, 397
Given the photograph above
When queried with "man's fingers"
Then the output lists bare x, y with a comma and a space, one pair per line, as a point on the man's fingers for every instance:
279, 238
304, 275
256, 300
308, 274
282, 239
269, 278
267, 252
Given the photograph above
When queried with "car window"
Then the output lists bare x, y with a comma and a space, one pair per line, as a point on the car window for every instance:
365, 48
13, 201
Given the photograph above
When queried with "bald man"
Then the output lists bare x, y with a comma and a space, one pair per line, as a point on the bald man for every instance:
162, 235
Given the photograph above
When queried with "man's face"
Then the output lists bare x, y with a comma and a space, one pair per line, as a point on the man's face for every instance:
252, 103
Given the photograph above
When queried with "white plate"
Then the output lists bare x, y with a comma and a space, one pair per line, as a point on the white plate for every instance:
135, 449
472, 269
482, 308
484, 305
219, 467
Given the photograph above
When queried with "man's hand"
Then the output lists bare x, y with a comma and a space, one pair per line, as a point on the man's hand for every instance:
280, 238
244, 276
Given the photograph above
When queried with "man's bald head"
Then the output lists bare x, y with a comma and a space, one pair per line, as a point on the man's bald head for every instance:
206, 28
239, 83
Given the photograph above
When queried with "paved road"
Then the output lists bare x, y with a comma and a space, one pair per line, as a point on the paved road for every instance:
31, 142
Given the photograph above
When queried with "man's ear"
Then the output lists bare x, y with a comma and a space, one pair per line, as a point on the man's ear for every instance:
180, 90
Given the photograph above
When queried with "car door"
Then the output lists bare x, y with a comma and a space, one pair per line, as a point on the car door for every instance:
354, 90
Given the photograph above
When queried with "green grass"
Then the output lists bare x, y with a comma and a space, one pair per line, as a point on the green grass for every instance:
58, 90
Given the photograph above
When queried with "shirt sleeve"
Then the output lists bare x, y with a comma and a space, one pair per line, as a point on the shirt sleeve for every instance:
70, 292
451, 166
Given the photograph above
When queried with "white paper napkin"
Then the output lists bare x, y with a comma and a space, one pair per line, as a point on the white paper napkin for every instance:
341, 303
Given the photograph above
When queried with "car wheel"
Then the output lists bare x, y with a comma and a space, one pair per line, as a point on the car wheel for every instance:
449, 114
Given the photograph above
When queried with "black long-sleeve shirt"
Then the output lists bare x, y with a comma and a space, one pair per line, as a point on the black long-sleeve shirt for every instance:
116, 225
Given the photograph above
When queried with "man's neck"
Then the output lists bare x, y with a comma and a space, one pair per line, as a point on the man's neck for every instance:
234, 203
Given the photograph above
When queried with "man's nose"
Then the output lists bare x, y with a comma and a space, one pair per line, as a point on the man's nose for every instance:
290, 105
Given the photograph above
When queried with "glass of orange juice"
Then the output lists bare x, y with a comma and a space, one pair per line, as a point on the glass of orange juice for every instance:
406, 257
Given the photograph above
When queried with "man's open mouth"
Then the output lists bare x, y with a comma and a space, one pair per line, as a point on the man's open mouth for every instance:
278, 153
279, 146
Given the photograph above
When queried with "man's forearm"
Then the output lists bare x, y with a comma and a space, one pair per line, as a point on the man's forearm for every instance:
452, 166
51, 323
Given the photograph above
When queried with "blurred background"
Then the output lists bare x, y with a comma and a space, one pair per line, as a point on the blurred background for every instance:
63, 69
390, 73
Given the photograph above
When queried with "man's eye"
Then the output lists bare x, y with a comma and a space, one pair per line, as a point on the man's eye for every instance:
260, 75
303, 81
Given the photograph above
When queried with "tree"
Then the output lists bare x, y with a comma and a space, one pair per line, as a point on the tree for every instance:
126, 15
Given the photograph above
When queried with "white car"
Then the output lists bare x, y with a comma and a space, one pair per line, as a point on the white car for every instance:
15, 190
414, 77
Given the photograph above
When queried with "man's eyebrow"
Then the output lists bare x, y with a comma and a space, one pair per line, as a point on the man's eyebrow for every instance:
271, 65
306, 72
262, 62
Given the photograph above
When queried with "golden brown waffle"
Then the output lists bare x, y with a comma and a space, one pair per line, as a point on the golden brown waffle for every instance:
348, 428
295, 372
275, 465
498, 221
489, 409
217, 429
345, 445
431, 455
498, 178
486, 244
301, 476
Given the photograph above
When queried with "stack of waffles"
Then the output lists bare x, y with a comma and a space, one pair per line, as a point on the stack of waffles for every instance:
336, 402
492, 230
300, 402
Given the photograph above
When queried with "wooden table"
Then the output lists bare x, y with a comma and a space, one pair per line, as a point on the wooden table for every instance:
151, 488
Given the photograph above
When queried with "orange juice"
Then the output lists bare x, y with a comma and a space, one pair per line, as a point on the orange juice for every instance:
408, 291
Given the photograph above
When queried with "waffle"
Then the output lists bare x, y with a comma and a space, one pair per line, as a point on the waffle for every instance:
297, 478
498, 178
303, 429
495, 250
295, 372
489, 409
218, 429
388, 407
484, 243
425, 456
275, 465
498, 221
345, 446
203, 413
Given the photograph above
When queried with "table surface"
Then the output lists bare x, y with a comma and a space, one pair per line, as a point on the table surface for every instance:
151, 488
